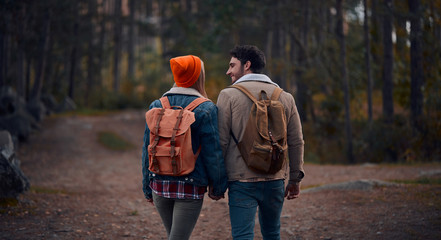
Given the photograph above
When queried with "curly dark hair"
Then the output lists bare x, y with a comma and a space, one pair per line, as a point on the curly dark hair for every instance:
250, 53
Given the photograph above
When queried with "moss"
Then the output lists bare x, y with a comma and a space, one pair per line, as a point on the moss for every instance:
423, 180
37, 189
113, 141
8, 202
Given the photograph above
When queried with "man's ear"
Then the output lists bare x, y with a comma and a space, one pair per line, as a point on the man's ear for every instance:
247, 65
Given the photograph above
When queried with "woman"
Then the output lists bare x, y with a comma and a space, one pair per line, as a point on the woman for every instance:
178, 199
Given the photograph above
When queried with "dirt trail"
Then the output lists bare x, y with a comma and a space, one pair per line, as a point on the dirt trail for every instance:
81, 190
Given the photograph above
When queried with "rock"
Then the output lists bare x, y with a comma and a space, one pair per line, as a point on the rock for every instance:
37, 109
19, 124
10, 102
12, 180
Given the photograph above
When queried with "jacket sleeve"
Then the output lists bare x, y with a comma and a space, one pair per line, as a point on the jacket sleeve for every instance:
145, 165
145, 157
224, 118
212, 152
295, 142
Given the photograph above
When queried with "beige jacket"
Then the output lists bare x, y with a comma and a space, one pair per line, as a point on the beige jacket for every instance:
234, 108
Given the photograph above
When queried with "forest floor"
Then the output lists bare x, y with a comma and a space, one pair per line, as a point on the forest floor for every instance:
82, 190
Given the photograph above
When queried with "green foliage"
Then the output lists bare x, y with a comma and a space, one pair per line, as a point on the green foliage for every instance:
423, 180
382, 142
8, 202
113, 141
45, 190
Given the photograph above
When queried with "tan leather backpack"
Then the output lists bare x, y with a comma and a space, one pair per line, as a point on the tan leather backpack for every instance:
264, 143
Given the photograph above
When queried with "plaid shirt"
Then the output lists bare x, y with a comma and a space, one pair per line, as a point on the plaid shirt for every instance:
177, 189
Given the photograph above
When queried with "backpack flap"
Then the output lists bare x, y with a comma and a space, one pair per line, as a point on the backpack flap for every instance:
168, 121
277, 120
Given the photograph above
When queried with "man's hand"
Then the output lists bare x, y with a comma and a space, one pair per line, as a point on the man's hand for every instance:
150, 200
292, 191
210, 194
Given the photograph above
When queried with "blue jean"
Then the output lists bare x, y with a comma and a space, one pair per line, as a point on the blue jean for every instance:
245, 197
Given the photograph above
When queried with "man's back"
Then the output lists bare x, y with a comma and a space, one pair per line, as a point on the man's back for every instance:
234, 108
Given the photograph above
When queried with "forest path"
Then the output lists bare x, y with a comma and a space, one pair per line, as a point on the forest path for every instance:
81, 190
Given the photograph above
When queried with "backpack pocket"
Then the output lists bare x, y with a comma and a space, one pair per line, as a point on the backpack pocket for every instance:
161, 161
260, 156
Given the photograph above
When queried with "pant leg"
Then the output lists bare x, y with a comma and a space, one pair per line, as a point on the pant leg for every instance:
164, 206
185, 215
270, 209
243, 206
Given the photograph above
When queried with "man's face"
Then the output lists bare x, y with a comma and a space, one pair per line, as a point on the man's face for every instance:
235, 70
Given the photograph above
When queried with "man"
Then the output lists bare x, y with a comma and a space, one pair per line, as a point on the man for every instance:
249, 189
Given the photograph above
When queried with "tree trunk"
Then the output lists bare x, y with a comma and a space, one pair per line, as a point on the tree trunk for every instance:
131, 41
101, 42
376, 46
91, 66
342, 44
2, 59
43, 47
73, 57
117, 47
416, 62
367, 55
49, 66
21, 88
388, 103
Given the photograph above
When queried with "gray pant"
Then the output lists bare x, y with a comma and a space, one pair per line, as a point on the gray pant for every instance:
179, 216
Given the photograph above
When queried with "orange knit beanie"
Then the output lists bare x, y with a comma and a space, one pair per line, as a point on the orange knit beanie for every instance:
186, 70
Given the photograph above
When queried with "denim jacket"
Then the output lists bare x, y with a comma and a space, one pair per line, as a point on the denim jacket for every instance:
210, 166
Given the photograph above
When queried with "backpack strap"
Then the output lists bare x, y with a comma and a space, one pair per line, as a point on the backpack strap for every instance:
165, 103
191, 106
276, 93
173, 142
155, 143
245, 91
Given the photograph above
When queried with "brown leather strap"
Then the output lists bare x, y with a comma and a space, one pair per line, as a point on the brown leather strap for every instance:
276, 94
165, 103
156, 141
173, 142
196, 103
245, 91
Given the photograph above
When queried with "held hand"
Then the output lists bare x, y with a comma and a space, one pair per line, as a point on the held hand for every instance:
150, 200
210, 194
292, 191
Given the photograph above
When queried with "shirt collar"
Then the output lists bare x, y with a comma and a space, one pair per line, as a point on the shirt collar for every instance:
255, 77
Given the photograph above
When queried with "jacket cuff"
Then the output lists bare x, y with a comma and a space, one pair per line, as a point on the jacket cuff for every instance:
296, 176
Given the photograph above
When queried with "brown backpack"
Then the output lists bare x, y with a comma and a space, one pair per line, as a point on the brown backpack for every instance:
170, 150
264, 145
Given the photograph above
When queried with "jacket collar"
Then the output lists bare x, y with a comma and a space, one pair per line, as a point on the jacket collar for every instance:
184, 91
255, 77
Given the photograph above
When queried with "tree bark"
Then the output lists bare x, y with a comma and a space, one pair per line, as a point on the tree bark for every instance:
367, 55
117, 46
416, 62
43, 47
101, 42
21, 89
73, 56
2, 59
342, 44
91, 66
131, 41
388, 103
